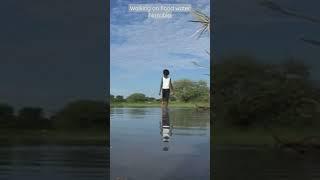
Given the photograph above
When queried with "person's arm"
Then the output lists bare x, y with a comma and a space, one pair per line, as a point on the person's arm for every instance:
171, 87
160, 88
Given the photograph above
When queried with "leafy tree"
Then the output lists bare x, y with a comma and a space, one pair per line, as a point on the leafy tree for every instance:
187, 90
119, 99
6, 116
32, 118
82, 114
173, 98
248, 93
111, 98
202, 90
137, 97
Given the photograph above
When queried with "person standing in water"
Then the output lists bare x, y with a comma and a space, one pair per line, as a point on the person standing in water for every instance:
165, 88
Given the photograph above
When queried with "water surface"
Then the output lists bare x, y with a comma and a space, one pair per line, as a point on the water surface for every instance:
155, 143
263, 163
54, 162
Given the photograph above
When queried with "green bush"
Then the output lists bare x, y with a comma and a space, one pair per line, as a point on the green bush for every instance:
187, 90
82, 114
118, 99
7, 118
32, 118
248, 93
137, 97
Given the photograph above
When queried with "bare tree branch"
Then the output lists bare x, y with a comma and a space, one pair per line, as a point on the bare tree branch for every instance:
208, 52
195, 63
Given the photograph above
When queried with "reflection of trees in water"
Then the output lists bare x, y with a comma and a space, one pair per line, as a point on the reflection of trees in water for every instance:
186, 122
189, 122
189, 119
136, 112
117, 111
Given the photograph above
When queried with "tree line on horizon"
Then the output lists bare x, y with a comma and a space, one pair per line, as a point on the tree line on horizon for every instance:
76, 115
185, 90
245, 93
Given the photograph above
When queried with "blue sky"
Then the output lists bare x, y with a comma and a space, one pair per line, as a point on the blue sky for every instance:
141, 48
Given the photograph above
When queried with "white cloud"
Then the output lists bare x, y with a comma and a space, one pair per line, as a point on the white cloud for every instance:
149, 43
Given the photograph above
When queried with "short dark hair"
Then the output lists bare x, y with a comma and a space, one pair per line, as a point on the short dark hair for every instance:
166, 72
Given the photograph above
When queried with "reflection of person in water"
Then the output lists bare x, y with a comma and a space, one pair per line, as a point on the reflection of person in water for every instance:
165, 129
165, 88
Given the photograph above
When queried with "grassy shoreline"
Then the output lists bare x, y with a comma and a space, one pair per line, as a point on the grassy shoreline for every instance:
158, 104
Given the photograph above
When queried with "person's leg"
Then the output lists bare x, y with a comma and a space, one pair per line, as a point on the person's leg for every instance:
162, 98
166, 97
166, 103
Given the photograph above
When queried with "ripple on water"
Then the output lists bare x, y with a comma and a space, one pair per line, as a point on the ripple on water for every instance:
54, 162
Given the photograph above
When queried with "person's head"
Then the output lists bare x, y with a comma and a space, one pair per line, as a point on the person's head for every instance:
166, 72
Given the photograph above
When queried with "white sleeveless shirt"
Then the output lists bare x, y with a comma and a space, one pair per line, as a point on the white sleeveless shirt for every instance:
165, 83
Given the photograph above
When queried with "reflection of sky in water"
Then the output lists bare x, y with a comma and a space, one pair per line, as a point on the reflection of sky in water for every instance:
138, 148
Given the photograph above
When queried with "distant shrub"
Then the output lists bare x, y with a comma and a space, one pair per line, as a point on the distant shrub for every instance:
7, 118
249, 93
137, 97
82, 114
32, 118
119, 99
187, 90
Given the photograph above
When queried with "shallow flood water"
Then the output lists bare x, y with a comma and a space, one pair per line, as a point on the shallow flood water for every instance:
52, 162
251, 163
155, 143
